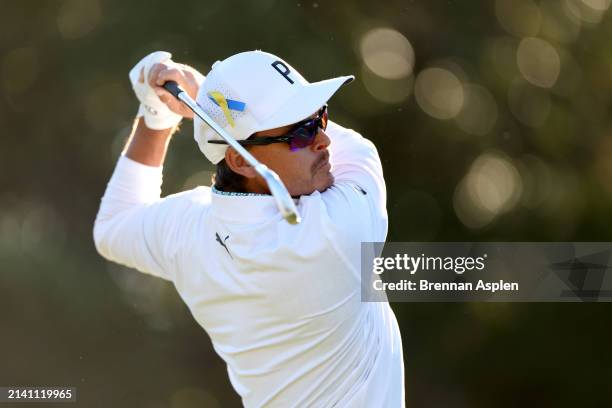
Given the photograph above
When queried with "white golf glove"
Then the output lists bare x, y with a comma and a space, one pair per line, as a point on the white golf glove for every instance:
156, 114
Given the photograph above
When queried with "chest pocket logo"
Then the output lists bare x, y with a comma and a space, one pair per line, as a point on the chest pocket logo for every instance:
222, 243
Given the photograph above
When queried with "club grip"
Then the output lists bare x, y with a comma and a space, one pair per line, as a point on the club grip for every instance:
173, 88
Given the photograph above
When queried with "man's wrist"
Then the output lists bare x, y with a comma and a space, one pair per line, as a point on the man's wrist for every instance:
154, 121
148, 146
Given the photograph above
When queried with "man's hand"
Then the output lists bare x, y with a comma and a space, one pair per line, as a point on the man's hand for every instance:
161, 111
159, 108
187, 77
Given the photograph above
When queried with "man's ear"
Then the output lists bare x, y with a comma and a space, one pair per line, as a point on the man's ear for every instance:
238, 165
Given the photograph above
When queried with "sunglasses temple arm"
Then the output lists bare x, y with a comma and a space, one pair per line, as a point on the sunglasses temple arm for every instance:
284, 202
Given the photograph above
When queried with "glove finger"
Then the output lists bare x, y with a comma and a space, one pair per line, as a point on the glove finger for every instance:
157, 57
154, 73
169, 74
144, 65
164, 95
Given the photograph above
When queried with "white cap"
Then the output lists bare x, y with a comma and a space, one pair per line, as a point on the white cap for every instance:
255, 91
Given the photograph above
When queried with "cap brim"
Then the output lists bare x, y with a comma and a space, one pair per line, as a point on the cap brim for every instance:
306, 102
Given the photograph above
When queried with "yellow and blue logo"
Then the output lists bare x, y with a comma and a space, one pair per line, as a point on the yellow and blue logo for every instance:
226, 105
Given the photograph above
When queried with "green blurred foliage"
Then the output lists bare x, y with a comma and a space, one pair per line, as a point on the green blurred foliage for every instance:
126, 340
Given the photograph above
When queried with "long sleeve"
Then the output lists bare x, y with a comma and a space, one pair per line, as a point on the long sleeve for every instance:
137, 228
355, 159
358, 198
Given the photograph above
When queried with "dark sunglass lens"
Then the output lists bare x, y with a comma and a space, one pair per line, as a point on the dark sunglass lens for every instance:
303, 136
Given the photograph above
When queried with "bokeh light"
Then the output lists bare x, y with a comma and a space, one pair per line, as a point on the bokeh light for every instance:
439, 93
538, 61
491, 187
601, 5
589, 11
387, 53
479, 113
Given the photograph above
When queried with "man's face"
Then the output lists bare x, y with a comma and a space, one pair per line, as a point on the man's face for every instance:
303, 171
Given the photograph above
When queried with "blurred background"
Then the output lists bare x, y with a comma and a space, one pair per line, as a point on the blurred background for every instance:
492, 121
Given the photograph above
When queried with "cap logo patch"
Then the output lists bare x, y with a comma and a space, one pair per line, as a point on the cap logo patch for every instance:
284, 72
226, 105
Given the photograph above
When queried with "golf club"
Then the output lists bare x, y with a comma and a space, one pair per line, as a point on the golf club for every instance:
284, 202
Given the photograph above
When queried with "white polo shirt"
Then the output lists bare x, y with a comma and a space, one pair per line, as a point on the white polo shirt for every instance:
281, 303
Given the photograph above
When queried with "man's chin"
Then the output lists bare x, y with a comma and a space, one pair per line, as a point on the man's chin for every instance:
321, 184
327, 184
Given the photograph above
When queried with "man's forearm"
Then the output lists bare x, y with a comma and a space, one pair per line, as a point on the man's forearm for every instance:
148, 146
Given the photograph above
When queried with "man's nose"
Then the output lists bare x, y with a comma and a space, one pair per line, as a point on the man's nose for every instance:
321, 142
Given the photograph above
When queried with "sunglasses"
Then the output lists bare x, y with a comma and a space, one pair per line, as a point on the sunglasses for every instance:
303, 133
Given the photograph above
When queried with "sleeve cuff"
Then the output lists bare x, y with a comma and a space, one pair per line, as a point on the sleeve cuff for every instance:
138, 181
134, 167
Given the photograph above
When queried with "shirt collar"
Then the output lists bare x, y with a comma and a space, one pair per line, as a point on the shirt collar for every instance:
244, 207
233, 193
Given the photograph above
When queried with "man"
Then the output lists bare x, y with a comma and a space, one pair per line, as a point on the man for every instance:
281, 302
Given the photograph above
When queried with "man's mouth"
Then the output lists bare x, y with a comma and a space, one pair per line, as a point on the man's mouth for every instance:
322, 162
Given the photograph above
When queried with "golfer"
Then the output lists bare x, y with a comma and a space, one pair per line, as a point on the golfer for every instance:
280, 302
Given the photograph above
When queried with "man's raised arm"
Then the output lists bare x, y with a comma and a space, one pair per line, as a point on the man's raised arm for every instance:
356, 164
131, 226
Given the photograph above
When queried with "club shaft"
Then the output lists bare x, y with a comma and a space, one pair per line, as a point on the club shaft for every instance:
283, 200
